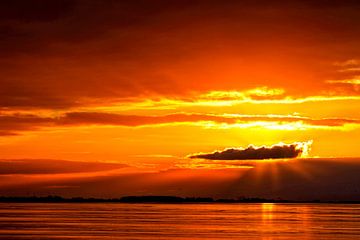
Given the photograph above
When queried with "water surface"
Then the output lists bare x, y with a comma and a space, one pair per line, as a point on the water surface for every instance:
178, 221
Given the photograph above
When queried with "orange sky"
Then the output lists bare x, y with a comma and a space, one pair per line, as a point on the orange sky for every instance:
148, 83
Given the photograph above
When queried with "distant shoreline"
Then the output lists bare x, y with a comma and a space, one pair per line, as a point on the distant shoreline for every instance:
156, 199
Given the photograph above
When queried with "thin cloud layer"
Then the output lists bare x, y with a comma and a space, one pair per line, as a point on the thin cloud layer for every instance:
258, 153
13, 124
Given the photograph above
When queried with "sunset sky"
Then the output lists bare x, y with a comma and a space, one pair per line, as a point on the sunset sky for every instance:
112, 98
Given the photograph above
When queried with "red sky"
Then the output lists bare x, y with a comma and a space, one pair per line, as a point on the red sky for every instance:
144, 84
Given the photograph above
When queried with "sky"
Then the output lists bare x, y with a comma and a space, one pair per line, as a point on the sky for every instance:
190, 98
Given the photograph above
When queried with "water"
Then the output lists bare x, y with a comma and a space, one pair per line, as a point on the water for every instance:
179, 221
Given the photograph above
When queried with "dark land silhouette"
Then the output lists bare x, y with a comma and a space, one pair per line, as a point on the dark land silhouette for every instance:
155, 199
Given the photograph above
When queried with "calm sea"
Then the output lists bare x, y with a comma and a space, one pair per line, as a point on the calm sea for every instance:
179, 221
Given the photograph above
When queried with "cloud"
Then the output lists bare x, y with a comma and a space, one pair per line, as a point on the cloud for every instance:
353, 81
258, 153
53, 166
136, 120
13, 124
101, 118
60, 54
259, 93
35, 10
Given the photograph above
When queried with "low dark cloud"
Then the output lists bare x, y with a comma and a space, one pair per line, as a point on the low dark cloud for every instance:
53, 166
250, 153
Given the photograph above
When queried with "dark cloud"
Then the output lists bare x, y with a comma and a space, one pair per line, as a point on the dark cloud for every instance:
62, 53
8, 133
52, 166
254, 153
12, 124
35, 10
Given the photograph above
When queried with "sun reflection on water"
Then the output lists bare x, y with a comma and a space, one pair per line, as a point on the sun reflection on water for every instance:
267, 212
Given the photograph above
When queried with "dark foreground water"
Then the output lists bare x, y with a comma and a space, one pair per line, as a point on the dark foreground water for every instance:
178, 221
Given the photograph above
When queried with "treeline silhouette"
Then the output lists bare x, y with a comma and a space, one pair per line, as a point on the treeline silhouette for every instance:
153, 199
